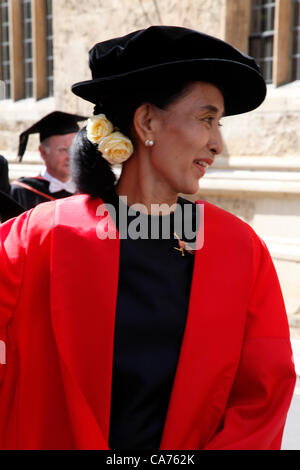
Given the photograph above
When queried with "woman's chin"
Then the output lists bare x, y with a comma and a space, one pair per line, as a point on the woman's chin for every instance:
190, 189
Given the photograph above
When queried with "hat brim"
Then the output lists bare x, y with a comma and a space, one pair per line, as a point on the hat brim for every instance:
243, 87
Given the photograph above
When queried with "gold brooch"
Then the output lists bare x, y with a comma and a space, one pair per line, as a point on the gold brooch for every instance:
183, 246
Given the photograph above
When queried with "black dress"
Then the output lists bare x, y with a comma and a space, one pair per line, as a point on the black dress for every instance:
152, 305
29, 192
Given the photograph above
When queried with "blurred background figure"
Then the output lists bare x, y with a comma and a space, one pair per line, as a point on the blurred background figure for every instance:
9, 208
4, 181
56, 131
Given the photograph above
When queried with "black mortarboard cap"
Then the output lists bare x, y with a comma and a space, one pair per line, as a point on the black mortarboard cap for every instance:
55, 123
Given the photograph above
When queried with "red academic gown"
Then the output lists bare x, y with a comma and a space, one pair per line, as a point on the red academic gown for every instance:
58, 281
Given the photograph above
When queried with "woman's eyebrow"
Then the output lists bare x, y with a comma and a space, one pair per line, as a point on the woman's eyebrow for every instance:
211, 108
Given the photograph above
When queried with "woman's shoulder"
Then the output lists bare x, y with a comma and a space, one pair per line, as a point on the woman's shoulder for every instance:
62, 211
43, 217
33, 230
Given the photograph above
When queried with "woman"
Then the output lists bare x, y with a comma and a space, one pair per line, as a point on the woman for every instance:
137, 338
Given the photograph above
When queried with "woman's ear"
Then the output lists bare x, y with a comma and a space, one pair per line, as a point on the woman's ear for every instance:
145, 122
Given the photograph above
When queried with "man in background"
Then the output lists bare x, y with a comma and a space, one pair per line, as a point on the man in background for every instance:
56, 131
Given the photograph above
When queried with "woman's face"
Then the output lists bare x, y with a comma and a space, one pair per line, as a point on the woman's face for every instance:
187, 138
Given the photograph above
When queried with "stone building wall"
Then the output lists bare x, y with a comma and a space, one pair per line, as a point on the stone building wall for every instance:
77, 26
80, 25
271, 130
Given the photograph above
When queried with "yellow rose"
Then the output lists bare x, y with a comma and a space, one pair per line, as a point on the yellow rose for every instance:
98, 127
116, 148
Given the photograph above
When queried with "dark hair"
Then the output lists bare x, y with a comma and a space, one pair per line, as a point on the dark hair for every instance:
92, 174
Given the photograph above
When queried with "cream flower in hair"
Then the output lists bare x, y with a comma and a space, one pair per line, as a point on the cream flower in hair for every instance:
116, 148
98, 127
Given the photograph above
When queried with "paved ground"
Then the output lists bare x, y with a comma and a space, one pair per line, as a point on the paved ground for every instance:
291, 435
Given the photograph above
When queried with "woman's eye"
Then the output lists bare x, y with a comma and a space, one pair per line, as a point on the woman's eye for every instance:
209, 120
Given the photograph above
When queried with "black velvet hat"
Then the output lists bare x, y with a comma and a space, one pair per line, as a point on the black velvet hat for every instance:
55, 123
159, 55
9, 208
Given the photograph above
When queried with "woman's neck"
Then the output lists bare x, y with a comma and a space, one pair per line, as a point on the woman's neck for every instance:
140, 187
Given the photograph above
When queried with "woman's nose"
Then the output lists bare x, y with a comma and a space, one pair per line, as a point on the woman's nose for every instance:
216, 142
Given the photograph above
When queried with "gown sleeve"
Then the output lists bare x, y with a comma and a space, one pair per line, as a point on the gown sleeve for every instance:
12, 256
262, 391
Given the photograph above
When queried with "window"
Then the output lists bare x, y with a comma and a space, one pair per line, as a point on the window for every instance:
261, 41
296, 40
26, 48
268, 31
4, 50
49, 43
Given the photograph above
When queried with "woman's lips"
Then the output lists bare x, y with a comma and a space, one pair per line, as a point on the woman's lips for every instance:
202, 164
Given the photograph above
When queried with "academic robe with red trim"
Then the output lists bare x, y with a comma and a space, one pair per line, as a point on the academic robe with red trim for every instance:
58, 282
31, 191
